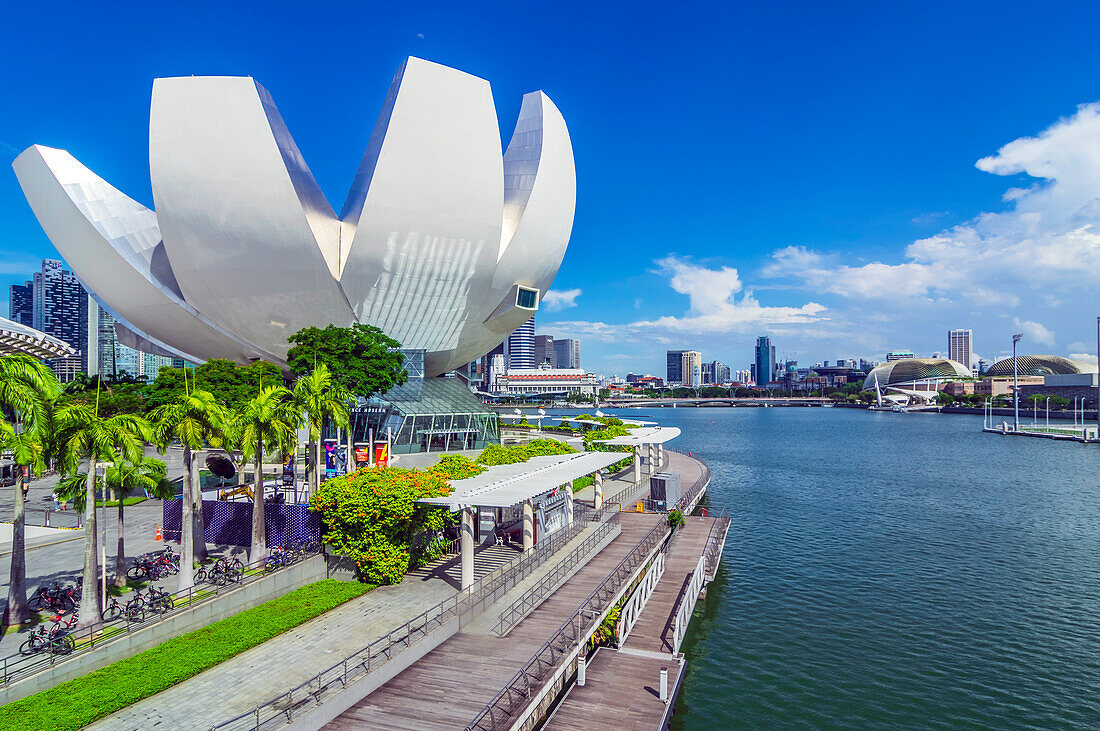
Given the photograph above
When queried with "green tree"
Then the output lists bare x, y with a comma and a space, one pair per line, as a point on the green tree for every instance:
232, 385
85, 436
268, 423
320, 397
125, 477
362, 358
193, 420
27, 390
944, 399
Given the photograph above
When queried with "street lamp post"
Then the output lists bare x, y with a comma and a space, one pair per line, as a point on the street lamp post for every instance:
1016, 383
1048, 414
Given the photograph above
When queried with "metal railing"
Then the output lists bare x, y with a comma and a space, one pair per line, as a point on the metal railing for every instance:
18, 667
463, 606
534, 596
687, 605
632, 609
50, 518
514, 697
715, 542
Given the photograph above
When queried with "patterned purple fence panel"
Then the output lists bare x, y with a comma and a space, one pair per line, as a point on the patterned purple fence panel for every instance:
230, 523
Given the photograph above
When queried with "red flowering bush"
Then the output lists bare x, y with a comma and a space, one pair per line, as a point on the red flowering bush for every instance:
372, 516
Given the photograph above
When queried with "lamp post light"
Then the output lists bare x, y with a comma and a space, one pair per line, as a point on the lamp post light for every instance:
1048, 414
1016, 383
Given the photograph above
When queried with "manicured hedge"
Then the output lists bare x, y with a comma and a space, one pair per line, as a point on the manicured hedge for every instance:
78, 702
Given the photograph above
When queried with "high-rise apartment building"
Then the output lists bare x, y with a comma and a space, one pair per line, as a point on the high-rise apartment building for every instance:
765, 361
674, 362
544, 351
520, 347
20, 303
59, 307
960, 346
567, 352
742, 376
691, 368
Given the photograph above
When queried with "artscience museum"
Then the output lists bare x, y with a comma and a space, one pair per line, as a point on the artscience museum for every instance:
446, 241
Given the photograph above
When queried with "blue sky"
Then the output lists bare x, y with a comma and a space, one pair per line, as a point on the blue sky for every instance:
807, 170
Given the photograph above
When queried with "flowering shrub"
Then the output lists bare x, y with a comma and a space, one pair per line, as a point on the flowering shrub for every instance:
457, 467
372, 516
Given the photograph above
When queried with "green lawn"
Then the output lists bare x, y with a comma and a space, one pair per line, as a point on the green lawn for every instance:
77, 703
126, 501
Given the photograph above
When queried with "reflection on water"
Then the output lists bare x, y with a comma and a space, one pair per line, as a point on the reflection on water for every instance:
894, 570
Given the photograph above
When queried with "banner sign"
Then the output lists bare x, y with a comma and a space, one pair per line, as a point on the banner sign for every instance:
288, 470
336, 459
381, 454
362, 454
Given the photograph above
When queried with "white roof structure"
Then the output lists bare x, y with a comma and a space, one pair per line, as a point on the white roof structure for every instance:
505, 485
644, 435
636, 422
17, 339
446, 241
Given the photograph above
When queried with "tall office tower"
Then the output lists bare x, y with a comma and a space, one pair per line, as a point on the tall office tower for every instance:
521, 346
673, 368
765, 361
21, 303
960, 346
721, 373
60, 308
567, 353
544, 351
708, 372
691, 368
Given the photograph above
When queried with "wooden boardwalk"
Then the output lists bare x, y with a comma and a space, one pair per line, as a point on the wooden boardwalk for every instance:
450, 685
621, 686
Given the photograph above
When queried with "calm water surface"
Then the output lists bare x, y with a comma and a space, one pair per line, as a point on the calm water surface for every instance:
894, 571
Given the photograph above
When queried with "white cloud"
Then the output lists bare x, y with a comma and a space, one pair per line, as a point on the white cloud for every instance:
555, 300
1050, 235
714, 306
1084, 357
1034, 331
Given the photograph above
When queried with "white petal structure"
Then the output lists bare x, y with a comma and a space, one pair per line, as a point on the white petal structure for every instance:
444, 242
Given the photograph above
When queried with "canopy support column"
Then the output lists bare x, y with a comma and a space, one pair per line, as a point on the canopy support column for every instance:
568, 487
597, 500
467, 546
637, 465
528, 524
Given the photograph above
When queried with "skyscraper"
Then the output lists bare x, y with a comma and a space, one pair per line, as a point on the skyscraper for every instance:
521, 346
673, 366
567, 353
20, 303
59, 306
691, 368
544, 350
765, 361
960, 346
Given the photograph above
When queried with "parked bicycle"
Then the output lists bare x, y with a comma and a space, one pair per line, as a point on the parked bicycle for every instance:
55, 640
223, 571
55, 598
154, 566
152, 600
281, 556
132, 612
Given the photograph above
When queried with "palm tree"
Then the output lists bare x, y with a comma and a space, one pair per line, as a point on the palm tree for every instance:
27, 389
321, 397
87, 436
191, 419
269, 421
27, 451
146, 474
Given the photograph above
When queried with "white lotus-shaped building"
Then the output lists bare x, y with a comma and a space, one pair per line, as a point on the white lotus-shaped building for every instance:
444, 242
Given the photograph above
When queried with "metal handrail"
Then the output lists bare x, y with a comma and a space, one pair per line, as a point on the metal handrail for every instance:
716, 541
687, 605
516, 694
18, 667
368, 659
534, 596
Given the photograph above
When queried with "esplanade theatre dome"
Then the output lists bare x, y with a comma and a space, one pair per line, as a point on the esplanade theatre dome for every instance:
1040, 365
908, 370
